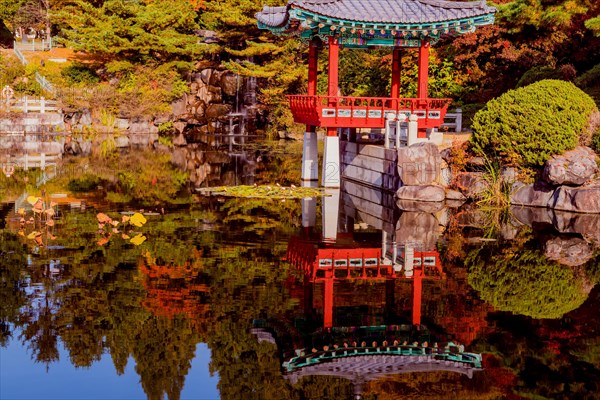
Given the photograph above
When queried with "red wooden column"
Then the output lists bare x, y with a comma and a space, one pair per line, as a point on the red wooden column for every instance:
332, 76
328, 300
417, 294
313, 53
313, 60
422, 92
396, 65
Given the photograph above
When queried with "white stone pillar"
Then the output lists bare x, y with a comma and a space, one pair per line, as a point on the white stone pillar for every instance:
413, 128
330, 214
330, 177
310, 158
399, 127
309, 208
389, 120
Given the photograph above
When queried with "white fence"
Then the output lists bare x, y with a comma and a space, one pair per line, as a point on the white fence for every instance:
47, 86
31, 44
456, 118
42, 161
28, 105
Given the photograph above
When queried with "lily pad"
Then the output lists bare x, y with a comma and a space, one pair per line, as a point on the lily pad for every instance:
263, 191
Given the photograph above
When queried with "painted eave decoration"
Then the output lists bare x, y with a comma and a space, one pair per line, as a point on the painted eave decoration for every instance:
360, 23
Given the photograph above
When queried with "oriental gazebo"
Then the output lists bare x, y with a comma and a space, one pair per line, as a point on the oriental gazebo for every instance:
363, 24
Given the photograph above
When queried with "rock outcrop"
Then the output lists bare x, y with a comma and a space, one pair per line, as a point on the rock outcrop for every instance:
574, 167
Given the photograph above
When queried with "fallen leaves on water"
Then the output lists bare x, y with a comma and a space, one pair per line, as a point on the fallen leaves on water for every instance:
103, 218
33, 235
137, 219
264, 191
138, 239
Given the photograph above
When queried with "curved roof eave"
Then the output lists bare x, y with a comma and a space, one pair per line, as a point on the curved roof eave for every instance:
378, 11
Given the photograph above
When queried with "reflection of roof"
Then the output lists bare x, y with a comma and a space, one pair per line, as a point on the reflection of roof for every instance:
368, 367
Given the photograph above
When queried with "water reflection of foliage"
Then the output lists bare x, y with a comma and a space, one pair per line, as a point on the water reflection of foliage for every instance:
522, 280
261, 216
249, 283
93, 300
12, 296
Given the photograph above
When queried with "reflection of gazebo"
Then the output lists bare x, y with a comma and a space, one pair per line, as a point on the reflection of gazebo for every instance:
328, 265
364, 25
362, 354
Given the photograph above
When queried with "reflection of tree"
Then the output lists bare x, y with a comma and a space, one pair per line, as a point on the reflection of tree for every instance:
261, 216
523, 281
551, 358
248, 284
163, 349
12, 295
326, 388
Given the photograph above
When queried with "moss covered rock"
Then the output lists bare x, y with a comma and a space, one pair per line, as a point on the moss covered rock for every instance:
527, 125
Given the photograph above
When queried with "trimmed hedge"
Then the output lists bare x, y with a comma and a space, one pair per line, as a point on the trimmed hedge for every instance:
527, 125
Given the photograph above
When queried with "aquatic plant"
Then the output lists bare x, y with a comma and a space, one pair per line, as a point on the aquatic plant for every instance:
264, 191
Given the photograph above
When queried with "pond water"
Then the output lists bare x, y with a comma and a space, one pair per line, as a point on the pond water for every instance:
340, 297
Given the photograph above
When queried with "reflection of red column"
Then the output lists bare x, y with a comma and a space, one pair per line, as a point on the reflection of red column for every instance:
328, 302
396, 72
422, 92
332, 77
417, 292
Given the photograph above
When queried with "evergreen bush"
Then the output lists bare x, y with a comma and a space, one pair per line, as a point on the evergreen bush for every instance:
526, 126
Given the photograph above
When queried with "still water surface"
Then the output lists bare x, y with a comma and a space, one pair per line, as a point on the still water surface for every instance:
248, 299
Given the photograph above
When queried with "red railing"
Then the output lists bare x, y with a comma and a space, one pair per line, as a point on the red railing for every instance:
364, 112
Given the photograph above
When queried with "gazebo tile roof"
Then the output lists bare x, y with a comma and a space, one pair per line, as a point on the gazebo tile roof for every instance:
379, 11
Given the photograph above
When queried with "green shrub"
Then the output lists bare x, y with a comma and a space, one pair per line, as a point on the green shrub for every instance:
527, 125
78, 73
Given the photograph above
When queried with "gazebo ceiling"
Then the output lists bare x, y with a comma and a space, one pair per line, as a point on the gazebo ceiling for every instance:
360, 23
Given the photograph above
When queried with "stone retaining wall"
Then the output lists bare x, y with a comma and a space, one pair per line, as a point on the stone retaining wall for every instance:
370, 165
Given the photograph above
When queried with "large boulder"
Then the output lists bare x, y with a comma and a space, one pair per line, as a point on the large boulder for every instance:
179, 106
535, 195
574, 167
583, 199
586, 225
531, 215
571, 251
471, 184
419, 164
420, 206
230, 83
418, 229
215, 111
421, 193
